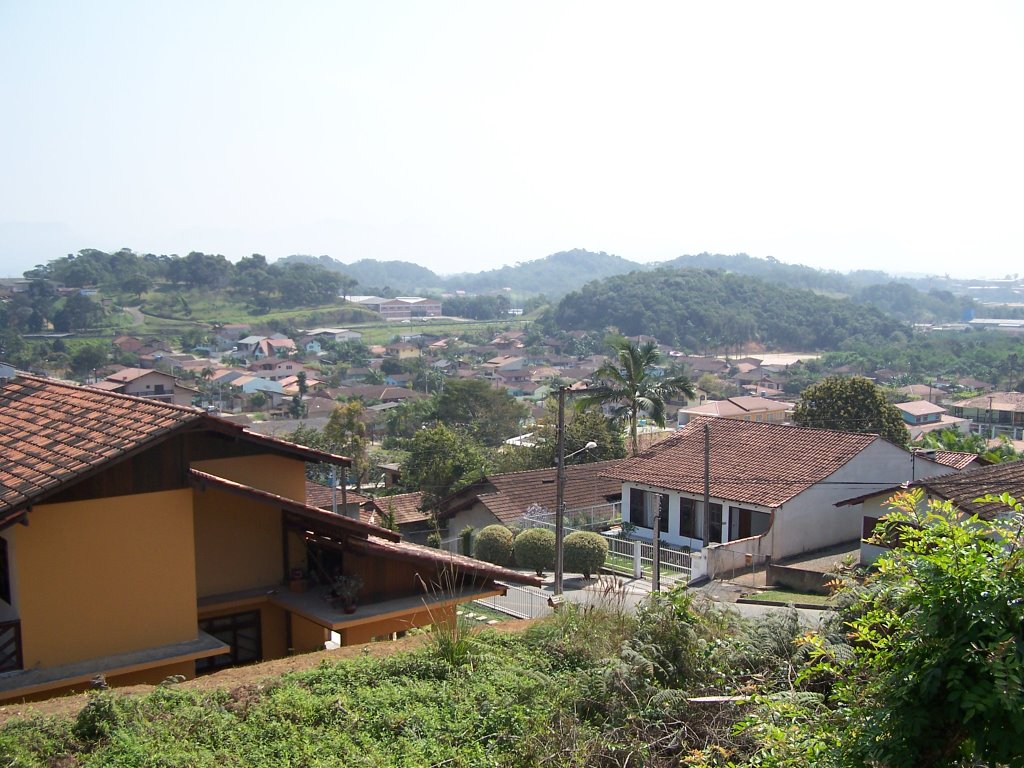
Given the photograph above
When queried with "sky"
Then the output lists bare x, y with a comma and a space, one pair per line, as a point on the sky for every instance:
464, 136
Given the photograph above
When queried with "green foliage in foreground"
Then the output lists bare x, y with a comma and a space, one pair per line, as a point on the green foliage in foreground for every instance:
921, 666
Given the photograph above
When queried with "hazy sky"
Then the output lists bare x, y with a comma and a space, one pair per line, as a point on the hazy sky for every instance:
467, 135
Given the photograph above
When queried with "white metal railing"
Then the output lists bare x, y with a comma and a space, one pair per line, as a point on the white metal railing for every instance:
520, 602
635, 558
594, 518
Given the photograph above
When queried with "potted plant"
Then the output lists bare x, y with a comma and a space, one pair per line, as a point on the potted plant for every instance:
343, 591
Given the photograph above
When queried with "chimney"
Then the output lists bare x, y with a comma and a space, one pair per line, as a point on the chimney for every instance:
7, 373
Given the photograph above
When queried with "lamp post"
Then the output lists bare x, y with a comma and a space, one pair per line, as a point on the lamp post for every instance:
560, 490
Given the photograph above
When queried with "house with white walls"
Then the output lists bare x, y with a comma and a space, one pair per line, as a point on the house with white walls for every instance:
772, 488
963, 489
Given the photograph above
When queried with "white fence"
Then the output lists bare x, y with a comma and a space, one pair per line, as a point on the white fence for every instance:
596, 518
635, 558
520, 602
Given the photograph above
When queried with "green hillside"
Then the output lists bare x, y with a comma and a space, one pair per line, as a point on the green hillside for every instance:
553, 275
701, 308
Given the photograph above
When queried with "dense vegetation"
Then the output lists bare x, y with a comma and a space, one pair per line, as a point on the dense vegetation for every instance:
125, 273
920, 666
700, 309
850, 404
554, 275
377, 277
990, 356
912, 300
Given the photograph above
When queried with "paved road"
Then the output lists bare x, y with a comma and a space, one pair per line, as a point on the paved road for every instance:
630, 593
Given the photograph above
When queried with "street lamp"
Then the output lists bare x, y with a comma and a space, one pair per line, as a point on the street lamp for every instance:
560, 490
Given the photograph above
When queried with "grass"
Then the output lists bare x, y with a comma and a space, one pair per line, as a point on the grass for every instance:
488, 614
786, 596
590, 685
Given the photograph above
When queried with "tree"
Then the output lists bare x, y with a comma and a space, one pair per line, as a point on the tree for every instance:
346, 432
494, 545
851, 405
87, 358
581, 428
296, 408
78, 312
955, 440
935, 677
490, 415
137, 284
584, 552
632, 387
440, 462
535, 548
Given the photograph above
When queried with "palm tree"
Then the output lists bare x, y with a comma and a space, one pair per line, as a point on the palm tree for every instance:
630, 385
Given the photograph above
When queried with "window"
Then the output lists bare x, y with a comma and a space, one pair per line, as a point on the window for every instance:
636, 507
689, 518
644, 505
716, 524
242, 631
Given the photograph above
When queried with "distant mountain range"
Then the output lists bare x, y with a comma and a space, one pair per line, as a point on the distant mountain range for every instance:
554, 275
567, 271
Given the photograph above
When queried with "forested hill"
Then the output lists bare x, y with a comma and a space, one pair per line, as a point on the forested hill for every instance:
912, 300
554, 275
370, 274
775, 271
700, 308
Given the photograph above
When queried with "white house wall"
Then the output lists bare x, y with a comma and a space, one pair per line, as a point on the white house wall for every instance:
477, 516
810, 520
672, 536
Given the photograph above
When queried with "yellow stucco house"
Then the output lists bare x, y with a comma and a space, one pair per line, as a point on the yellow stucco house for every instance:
140, 539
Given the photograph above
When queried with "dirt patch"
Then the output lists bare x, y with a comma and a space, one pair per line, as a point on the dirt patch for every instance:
249, 676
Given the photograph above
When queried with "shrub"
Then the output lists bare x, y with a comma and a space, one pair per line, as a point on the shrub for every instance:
494, 545
466, 540
584, 552
535, 548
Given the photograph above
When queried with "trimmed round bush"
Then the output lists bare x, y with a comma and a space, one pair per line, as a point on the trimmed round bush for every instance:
535, 548
584, 552
494, 545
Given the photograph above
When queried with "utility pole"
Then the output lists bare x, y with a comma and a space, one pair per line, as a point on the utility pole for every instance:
707, 484
560, 494
656, 553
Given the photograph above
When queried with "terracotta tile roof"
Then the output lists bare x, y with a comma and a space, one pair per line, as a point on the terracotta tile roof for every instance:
738, 406
1000, 401
405, 550
508, 496
406, 507
920, 408
322, 496
131, 374
751, 462
52, 432
954, 459
962, 488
